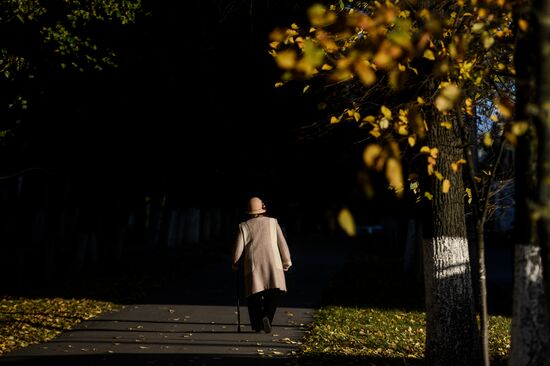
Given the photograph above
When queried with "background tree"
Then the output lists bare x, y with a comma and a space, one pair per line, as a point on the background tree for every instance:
541, 117
49, 54
530, 324
50, 41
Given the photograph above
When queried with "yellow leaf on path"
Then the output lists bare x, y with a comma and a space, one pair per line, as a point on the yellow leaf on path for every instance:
438, 175
274, 44
445, 186
447, 125
454, 167
305, 89
334, 119
326, 67
346, 222
434, 152
420, 100
428, 195
411, 140
356, 116
279, 84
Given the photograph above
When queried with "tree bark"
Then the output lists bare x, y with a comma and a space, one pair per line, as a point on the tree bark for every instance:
530, 335
530, 331
542, 124
451, 333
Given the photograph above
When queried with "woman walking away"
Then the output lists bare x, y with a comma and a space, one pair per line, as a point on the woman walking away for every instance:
266, 257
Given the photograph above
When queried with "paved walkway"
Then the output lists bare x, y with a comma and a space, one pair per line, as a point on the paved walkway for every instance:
195, 323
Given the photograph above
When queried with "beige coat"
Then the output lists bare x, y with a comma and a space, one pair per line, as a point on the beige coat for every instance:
265, 253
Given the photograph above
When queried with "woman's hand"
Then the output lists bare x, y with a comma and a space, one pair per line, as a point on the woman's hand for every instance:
286, 267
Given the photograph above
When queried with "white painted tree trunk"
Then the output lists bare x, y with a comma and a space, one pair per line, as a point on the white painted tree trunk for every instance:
452, 337
530, 333
449, 307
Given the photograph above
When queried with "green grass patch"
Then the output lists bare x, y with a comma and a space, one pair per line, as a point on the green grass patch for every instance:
25, 321
348, 335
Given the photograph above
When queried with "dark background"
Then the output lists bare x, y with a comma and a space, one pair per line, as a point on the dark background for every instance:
192, 108
116, 169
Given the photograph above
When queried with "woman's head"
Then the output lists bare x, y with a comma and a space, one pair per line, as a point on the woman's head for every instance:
255, 206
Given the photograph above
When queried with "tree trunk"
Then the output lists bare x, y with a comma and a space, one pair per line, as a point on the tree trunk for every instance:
530, 335
542, 123
451, 333
530, 330
483, 308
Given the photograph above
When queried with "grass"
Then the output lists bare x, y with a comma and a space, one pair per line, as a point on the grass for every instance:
382, 337
25, 321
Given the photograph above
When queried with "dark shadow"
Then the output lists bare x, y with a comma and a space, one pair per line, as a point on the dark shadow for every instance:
500, 263
314, 266
211, 342
197, 276
374, 277
157, 359
144, 360
323, 360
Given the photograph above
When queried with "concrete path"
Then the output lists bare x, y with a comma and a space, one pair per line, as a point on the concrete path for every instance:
195, 323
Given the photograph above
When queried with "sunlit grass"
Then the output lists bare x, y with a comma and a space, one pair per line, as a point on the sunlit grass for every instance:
25, 321
350, 335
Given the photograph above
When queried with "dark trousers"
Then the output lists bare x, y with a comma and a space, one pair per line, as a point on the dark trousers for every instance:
262, 304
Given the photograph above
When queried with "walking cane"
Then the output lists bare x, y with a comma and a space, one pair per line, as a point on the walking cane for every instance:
238, 279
